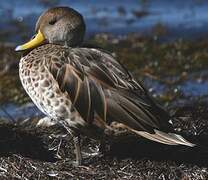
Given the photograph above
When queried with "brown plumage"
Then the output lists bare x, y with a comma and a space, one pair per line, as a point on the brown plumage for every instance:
86, 89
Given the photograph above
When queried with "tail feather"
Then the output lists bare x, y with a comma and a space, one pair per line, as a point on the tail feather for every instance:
175, 138
165, 138
154, 137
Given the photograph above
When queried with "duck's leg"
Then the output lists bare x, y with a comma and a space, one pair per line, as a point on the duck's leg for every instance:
77, 150
76, 139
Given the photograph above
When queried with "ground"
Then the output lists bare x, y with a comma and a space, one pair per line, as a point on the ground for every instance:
31, 153
28, 152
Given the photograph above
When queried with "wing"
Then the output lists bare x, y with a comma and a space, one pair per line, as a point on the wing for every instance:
99, 85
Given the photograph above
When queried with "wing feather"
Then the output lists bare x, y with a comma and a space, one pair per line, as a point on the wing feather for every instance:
83, 102
98, 99
97, 84
102, 76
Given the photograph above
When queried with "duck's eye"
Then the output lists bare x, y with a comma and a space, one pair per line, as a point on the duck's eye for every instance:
52, 22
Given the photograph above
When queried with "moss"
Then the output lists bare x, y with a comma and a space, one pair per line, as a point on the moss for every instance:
10, 85
158, 58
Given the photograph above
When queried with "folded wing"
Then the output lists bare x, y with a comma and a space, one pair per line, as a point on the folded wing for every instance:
99, 85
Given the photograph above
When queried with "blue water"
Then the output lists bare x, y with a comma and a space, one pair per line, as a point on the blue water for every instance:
14, 112
187, 18
193, 88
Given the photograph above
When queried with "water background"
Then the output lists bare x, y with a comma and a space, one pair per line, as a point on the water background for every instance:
187, 18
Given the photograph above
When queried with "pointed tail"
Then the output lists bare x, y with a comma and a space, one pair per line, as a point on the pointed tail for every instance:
165, 138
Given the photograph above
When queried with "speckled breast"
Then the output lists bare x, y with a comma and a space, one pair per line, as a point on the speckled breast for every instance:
43, 89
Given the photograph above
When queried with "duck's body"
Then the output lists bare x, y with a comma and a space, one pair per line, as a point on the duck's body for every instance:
87, 89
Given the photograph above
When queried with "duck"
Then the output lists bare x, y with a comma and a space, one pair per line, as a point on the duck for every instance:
86, 90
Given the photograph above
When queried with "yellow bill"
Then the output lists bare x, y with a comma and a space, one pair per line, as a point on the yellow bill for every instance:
39, 38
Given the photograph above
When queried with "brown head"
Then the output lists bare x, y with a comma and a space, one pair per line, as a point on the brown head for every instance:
59, 25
